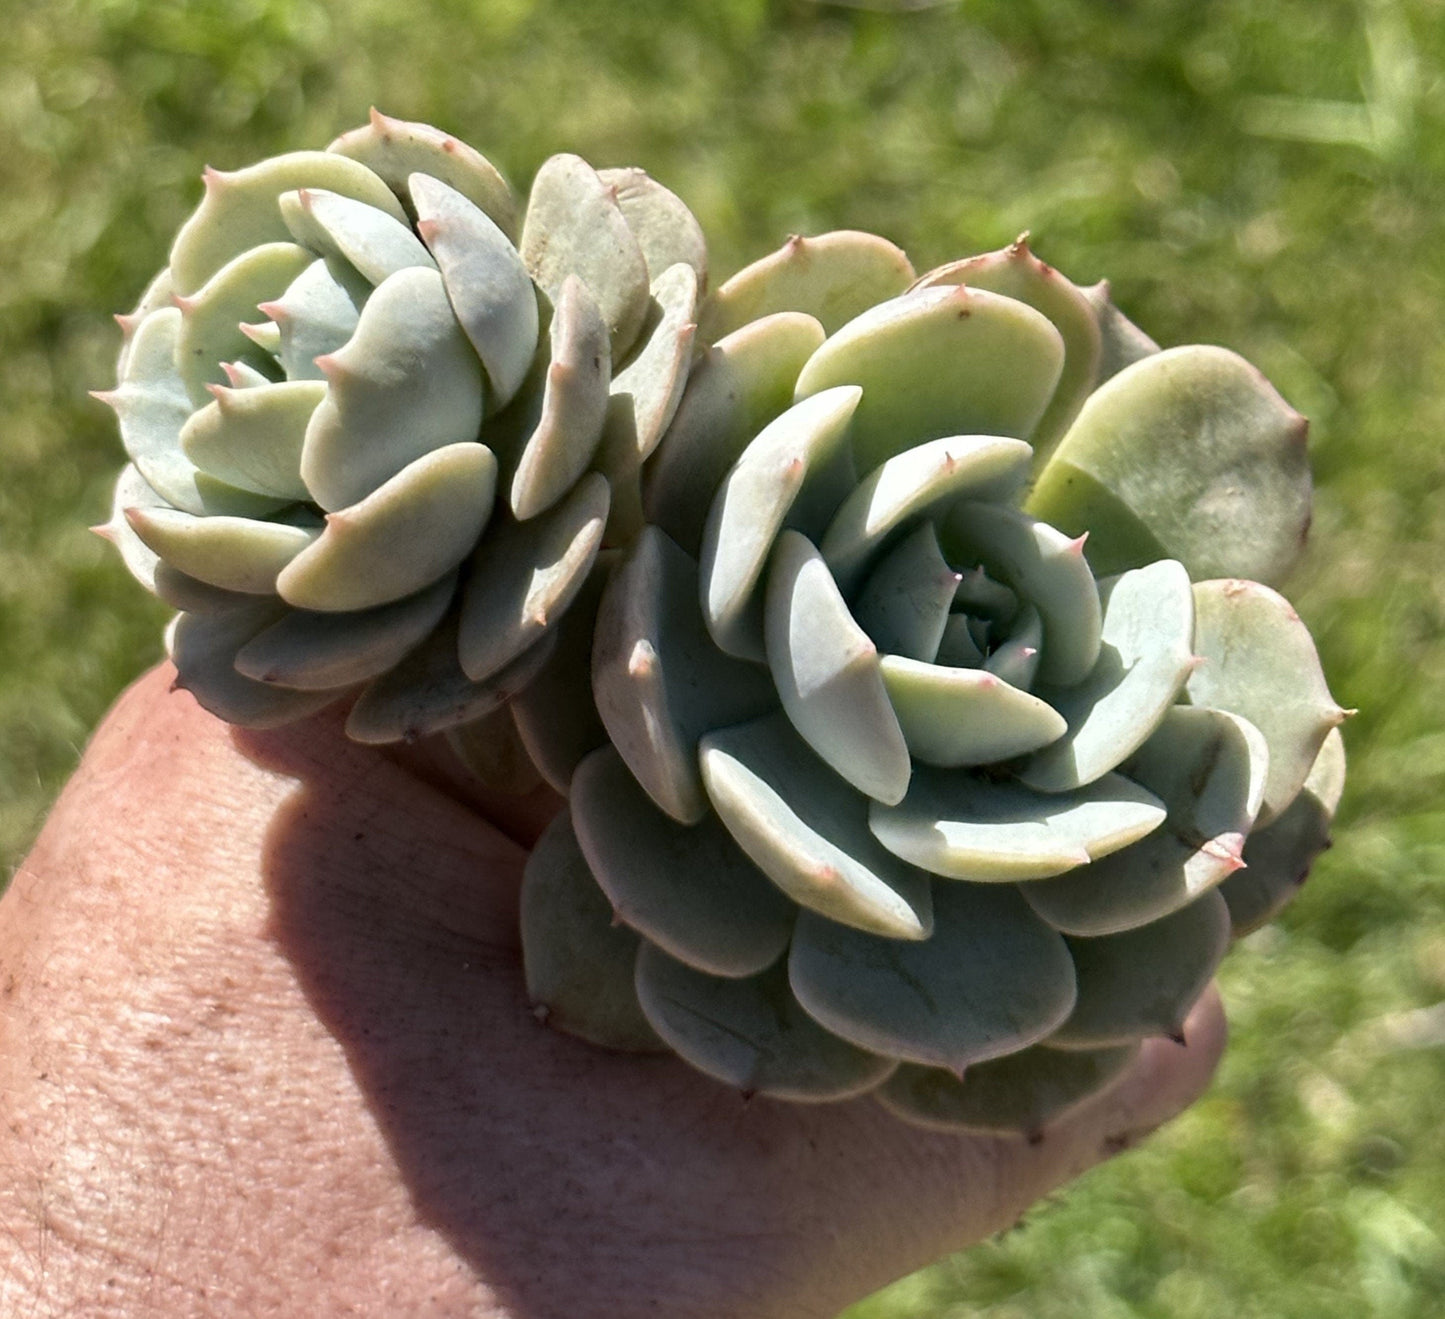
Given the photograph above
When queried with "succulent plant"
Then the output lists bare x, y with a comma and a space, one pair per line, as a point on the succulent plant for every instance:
945, 722
374, 443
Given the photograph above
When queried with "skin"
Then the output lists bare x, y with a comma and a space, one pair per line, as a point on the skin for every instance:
265, 1051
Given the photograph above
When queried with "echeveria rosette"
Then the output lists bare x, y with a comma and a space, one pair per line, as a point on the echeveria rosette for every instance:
376, 437
935, 716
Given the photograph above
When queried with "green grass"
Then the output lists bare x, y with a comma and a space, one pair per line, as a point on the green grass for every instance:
1267, 177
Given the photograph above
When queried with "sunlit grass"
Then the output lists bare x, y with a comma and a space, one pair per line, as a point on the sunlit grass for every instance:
1267, 177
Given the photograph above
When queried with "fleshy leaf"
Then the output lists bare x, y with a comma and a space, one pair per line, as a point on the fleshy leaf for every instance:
1188, 454
428, 692
737, 386
659, 682
407, 382
159, 293
1144, 981
314, 651
913, 484
492, 753
687, 889
252, 437
645, 394
401, 537
524, 576
751, 1033
666, 231
828, 674
152, 406
1209, 768
1014, 1096
1121, 341
832, 277
489, 288
991, 979
949, 361
209, 333
1047, 569
751, 507
203, 648
1144, 659
952, 717
967, 826
807, 831
395, 150
904, 604
578, 964
1016, 660
1015, 272
574, 226
1278, 858
556, 717
316, 315
376, 245
131, 491
554, 426
1257, 660
236, 554
239, 210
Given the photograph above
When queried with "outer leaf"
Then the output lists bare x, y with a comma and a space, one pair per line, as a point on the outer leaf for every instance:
666, 231
314, 651
555, 426
1258, 661
579, 965
236, 554
833, 277
556, 717
428, 692
940, 362
1277, 859
1209, 769
395, 150
659, 681
574, 226
203, 648
1016, 272
751, 1033
239, 210
1144, 981
735, 388
525, 574
485, 279
687, 889
400, 538
1014, 1096
988, 981
1188, 454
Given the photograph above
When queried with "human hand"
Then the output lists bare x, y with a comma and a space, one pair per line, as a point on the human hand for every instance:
265, 1050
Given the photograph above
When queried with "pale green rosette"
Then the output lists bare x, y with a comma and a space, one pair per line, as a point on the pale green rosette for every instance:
379, 423
945, 723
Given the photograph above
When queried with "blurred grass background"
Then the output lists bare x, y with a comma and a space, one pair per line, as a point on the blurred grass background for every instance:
1269, 177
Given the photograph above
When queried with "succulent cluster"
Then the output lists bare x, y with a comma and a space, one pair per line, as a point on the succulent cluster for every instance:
374, 444
932, 722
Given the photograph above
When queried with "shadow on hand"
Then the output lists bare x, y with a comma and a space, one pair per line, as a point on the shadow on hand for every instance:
572, 1180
